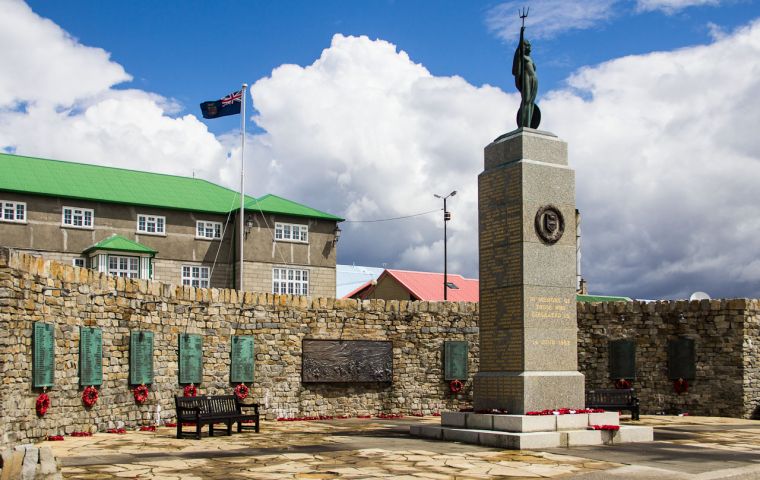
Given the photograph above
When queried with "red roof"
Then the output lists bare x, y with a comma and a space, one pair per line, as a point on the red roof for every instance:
429, 286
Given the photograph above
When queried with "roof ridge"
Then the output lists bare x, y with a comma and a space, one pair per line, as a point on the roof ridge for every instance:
115, 168
429, 273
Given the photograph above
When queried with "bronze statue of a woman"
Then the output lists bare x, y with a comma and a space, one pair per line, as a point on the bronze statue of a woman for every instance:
526, 81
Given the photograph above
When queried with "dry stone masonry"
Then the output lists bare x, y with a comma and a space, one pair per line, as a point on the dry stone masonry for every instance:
33, 290
726, 334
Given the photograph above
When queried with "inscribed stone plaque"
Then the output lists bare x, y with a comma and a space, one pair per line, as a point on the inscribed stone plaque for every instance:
90, 356
140, 357
622, 359
681, 359
455, 360
43, 370
241, 364
190, 358
347, 361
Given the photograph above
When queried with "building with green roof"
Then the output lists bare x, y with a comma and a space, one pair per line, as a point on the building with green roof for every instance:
174, 229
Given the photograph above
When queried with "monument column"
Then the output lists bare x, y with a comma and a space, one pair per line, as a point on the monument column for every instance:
528, 319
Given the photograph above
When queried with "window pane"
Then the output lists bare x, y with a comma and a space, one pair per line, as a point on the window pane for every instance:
20, 211
200, 229
160, 225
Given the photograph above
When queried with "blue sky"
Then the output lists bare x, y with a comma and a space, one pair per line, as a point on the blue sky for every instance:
365, 109
198, 50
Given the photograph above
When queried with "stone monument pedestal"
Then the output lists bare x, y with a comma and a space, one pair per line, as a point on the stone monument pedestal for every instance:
528, 319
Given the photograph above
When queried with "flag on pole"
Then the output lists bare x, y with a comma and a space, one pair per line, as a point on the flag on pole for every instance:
229, 105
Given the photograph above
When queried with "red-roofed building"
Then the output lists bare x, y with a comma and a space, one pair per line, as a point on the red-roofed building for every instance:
406, 285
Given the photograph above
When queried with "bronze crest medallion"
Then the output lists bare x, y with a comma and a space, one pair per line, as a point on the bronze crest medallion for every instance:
550, 224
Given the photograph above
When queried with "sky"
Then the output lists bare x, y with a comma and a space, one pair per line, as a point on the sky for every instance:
366, 109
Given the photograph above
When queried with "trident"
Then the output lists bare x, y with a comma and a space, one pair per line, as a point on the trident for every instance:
524, 14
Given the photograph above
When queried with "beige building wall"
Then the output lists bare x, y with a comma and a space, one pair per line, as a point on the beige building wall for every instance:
388, 288
43, 234
43, 231
258, 278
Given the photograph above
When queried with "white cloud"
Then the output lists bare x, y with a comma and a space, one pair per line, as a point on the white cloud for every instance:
547, 18
367, 132
58, 101
42, 63
671, 6
667, 155
664, 145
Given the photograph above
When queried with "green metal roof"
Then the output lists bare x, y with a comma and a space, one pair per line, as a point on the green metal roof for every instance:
601, 298
274, 204
121, 244
117, 185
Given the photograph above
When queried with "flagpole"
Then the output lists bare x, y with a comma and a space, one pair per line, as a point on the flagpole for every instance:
242, 182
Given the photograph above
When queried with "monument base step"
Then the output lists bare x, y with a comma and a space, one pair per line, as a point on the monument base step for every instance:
534, 440
527, 423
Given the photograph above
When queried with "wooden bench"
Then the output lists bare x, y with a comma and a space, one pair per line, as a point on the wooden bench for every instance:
614, 399
247, 417
212, 410
202, 410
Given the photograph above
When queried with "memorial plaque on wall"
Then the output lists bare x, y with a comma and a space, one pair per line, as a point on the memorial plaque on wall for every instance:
90, 356
140, 357
622, 359
190, 358
455, 360
681, 359
241, 362
43, 355
346, 361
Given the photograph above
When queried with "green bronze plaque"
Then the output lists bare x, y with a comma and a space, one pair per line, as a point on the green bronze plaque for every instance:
681, 359
622, 359
43, 369
190, 358
455, 360
241, 364
140, 357
90, 356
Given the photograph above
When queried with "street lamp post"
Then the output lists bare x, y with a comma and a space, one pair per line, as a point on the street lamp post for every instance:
446, 218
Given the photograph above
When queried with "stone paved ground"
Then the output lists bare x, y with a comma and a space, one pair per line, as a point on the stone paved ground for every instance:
691, 446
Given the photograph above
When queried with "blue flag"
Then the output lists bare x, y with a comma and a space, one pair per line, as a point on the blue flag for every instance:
229, 105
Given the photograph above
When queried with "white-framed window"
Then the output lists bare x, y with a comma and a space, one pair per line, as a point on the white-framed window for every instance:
78, 217
209, 230
124, 266
78, 262
293, 281
195, 276
151, 224
291, 232
12, 211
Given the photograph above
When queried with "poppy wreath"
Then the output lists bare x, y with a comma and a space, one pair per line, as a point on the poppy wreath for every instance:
241, 391
622, 384
141, 393
456, 386
90, 396
190, 390
42, 404
681, 386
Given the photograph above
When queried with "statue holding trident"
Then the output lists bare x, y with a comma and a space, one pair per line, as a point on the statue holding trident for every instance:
526, 80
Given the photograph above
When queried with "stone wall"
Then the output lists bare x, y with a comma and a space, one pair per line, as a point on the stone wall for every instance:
32, 289
726, 335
